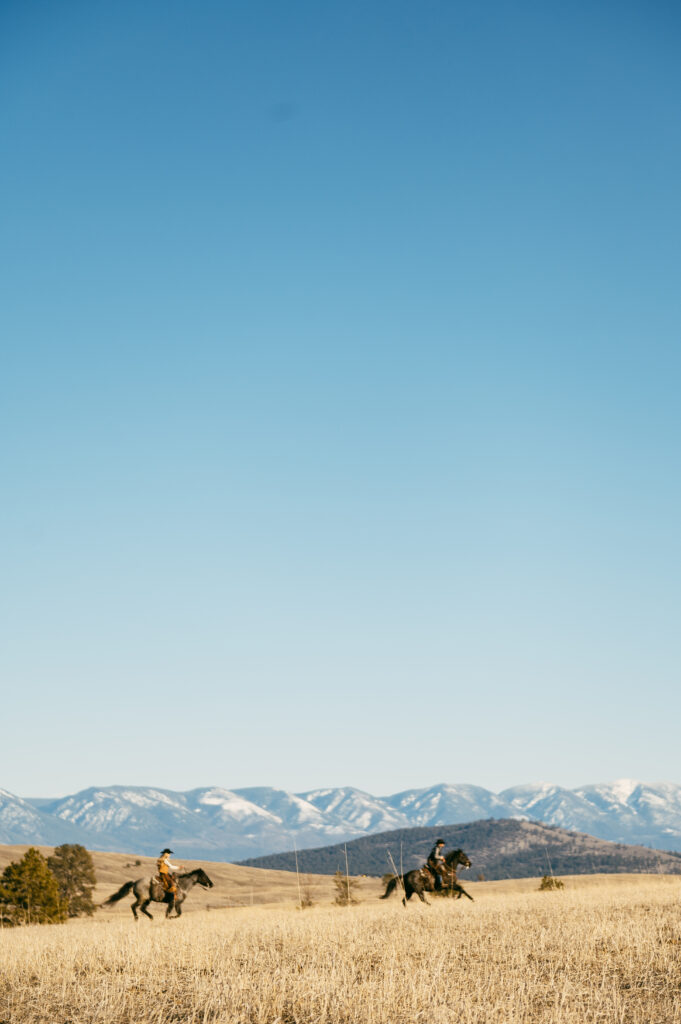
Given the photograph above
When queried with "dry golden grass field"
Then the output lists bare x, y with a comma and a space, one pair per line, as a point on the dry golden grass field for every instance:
605, 949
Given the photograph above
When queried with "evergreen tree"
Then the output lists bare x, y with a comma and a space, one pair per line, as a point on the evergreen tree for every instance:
29, 893
72, 866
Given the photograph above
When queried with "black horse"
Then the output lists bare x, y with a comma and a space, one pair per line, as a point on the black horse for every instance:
422, 880
148, 889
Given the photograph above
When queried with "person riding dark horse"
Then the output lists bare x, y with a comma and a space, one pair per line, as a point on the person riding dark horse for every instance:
436, 863
422, 880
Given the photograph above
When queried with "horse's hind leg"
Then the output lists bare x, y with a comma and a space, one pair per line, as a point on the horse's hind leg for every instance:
143, 908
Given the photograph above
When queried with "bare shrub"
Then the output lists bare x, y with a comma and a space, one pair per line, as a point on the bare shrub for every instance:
548, 882
345, 889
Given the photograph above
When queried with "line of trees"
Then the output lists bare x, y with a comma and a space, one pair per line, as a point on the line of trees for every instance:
39, 890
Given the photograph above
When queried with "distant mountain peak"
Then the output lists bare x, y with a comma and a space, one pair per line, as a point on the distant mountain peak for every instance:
217, 823
623, 788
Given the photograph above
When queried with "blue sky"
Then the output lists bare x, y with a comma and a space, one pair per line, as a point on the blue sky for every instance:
339, 394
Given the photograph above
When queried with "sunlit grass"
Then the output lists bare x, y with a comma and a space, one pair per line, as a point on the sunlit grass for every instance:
605, 952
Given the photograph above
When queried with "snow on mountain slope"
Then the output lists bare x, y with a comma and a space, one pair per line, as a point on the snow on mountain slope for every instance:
447, 804
20, 822
353, 808
226, 806
554, 805
610, 802
127, 817
659, 804
223, 824
289, 809
624, 811
210, 822
650, 811
265, 816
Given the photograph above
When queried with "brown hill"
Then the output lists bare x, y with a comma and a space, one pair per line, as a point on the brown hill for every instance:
499, 849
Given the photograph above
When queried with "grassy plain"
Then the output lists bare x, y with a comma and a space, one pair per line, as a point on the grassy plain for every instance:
606, 949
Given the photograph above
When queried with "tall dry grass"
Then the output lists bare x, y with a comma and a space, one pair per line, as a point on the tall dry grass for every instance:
593, 953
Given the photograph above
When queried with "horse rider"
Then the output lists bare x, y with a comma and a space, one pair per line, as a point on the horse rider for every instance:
436, 863
166, 871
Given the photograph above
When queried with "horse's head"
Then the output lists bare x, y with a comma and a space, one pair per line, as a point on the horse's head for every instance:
202, 878
455, 857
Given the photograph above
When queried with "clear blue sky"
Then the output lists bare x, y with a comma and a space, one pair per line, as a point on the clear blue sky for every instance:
339, 393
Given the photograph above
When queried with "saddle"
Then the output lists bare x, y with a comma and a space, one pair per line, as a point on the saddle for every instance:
429, 871
165, 882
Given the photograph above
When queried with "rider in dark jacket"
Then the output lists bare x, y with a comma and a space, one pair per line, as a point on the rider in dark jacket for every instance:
436, 862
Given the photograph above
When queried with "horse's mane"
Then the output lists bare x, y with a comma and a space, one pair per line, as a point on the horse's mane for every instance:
197, 874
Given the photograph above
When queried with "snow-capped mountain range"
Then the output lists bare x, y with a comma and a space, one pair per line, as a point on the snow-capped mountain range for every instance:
224, 824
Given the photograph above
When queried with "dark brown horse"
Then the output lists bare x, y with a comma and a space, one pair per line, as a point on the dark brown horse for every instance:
422, 880
148, 889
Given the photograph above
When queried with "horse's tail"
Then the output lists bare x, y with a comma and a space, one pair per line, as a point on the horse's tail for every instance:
123, 891
389, 888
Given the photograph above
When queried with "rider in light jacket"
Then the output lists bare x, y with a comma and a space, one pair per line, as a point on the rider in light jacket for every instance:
167, 870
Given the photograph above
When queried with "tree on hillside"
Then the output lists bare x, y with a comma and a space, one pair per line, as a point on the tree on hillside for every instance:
29, 893
72, 866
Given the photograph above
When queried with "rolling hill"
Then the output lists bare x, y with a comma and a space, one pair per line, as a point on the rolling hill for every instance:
498, 849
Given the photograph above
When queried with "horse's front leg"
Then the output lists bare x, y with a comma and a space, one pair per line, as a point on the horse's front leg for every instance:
458, 891
422, 897
408, 893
